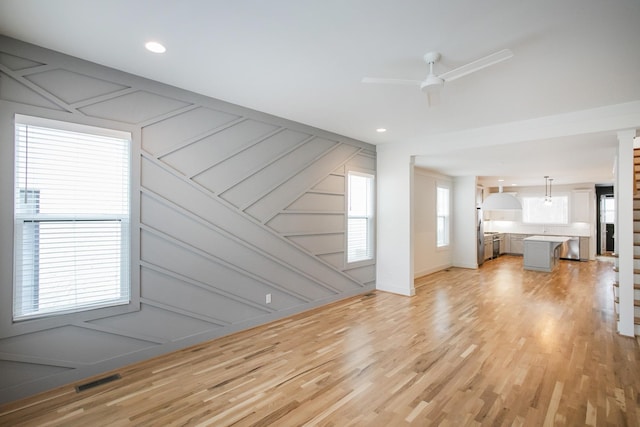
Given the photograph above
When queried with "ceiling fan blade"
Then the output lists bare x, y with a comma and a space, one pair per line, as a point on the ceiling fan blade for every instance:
433, 98
477, 65
391, 81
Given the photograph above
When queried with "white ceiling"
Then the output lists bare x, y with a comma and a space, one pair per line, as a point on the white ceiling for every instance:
304, 60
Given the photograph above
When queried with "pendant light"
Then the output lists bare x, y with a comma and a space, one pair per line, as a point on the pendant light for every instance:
501, 201
547, 197
546, 189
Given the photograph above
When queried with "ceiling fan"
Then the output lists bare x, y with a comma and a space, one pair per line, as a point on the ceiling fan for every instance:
433, 81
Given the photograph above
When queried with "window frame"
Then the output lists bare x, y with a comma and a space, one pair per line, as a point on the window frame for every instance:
371, 218
8, 121
447, 225
605, 213
564, 196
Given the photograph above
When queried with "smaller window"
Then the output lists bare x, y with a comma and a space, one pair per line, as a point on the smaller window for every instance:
360, 219
608, 210
442, 216
535, 210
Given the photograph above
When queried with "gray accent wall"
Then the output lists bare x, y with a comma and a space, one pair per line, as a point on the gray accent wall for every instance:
230, 205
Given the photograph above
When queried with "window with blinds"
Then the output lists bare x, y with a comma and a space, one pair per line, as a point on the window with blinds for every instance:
360, 221
71, 215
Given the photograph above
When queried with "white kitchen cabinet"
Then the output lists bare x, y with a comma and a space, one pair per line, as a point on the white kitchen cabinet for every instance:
581, 201
488, 250
503, 243
541, 253
515, 244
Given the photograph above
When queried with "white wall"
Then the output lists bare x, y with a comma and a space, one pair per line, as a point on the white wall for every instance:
463, 222
624, 231
428, 258
394, 241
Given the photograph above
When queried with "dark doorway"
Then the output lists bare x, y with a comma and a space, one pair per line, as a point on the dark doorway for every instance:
609, 245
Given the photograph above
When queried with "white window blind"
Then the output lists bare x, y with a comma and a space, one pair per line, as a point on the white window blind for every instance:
442, 216
71, 214
360, 217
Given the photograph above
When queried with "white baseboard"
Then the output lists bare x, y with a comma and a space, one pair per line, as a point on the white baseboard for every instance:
430, 270
396, 290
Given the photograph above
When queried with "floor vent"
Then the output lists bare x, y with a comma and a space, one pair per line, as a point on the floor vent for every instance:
97, 382
369, 295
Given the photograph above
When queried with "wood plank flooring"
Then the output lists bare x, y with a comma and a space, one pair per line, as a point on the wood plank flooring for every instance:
494, 346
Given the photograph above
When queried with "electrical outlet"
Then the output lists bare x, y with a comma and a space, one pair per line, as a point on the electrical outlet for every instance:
268, 299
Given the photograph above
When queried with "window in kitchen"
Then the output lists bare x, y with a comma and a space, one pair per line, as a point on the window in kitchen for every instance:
536, 210
442, 216
71, 216
360, 221
608, 209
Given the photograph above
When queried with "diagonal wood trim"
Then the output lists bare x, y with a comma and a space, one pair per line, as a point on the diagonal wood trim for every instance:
302, 212
220, 261
119, 332
266, 218
34, 87
209, 288
242, 242
36, 69
312, 233
45, 361
228, 206
330, 193
199, 137
265, 165
105, 97
208, 319
249, 144
167, 115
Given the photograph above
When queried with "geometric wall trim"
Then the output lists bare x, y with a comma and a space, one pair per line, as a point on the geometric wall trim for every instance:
233, 205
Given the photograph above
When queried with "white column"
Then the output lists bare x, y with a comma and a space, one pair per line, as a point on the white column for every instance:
624, 230
394, 247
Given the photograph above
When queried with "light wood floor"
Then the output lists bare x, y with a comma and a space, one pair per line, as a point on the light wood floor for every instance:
495, 346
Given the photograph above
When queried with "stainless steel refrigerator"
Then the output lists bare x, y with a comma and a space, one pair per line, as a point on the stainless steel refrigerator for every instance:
480, 236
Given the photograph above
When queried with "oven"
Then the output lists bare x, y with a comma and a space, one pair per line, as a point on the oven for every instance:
492, 241
496, 245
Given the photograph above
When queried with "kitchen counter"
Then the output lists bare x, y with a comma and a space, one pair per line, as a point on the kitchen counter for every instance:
541, 253
555, 239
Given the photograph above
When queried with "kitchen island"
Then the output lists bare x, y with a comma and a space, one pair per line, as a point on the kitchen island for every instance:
541, 253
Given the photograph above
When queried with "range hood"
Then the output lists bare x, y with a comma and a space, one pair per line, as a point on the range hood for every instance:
501, 202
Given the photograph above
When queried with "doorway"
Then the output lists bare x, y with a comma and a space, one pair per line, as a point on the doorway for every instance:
606, 220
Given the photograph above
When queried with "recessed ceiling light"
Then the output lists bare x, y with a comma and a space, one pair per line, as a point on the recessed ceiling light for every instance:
155, 47
514, 185
381, 130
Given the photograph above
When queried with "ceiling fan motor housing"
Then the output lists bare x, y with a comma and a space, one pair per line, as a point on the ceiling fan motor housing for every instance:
431, 82
431, 57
